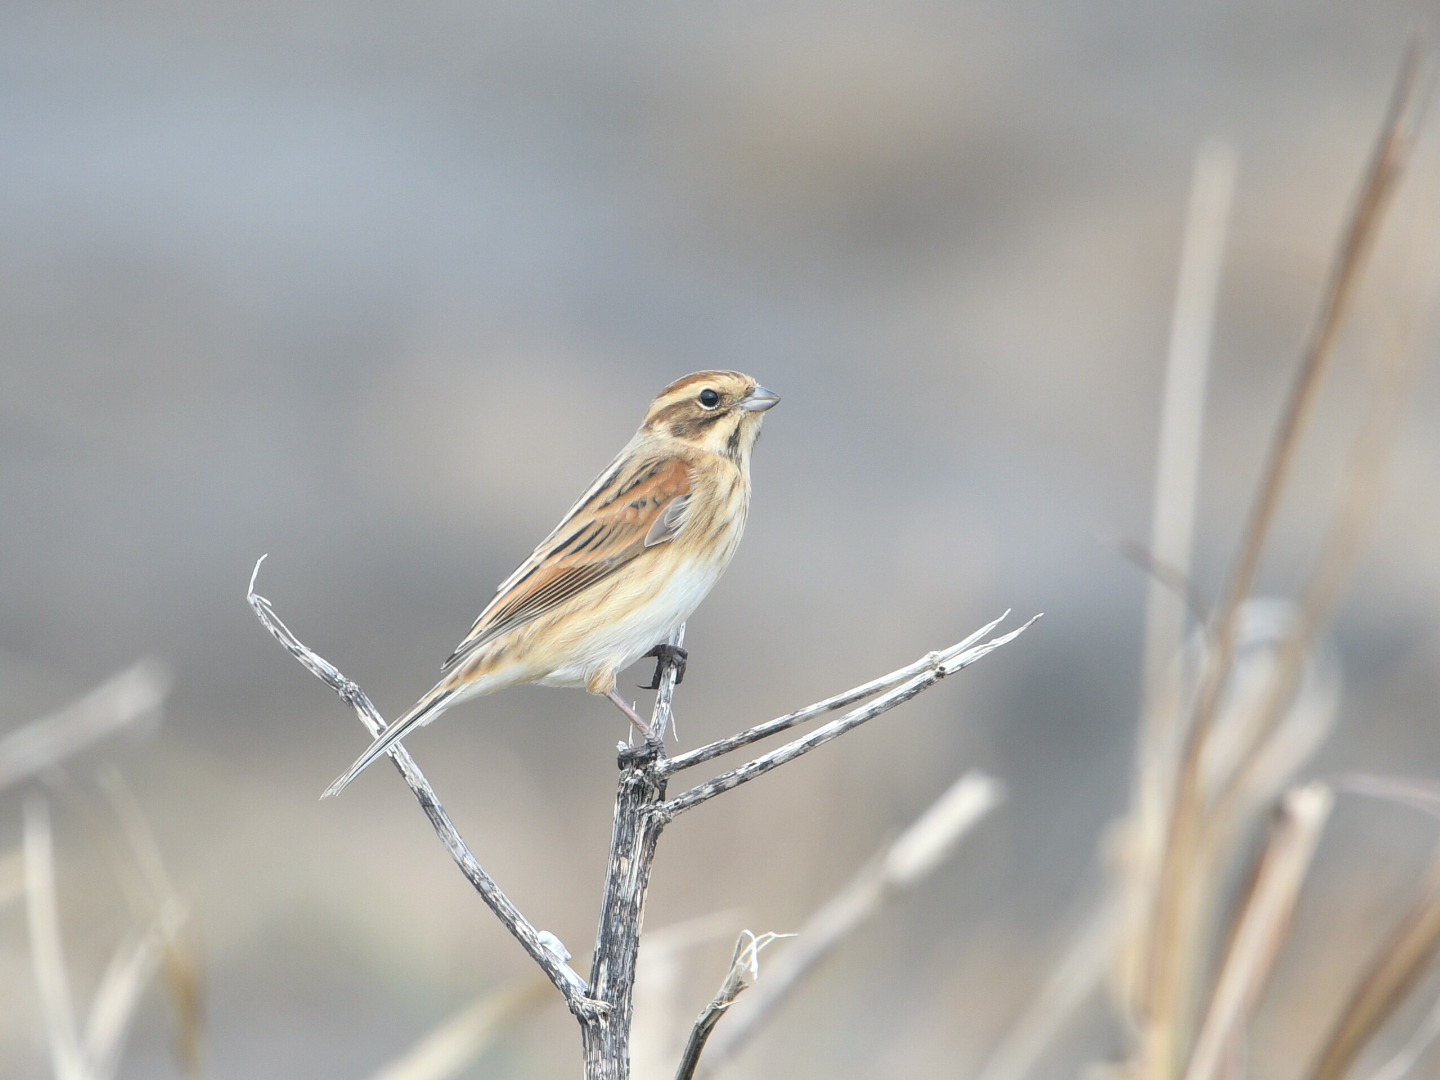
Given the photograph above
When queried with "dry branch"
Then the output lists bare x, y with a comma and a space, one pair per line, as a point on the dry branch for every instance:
565, 978
604, 1007
927, 664
744, 970
927, 678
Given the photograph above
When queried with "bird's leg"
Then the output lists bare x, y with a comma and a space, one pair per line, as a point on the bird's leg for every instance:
665, 652
634, 717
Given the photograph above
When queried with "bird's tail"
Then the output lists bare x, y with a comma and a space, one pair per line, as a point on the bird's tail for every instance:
424, 710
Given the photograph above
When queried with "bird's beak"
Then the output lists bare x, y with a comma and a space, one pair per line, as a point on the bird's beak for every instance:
759, 399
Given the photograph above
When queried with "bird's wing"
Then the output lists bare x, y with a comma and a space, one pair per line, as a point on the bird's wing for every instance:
629, 510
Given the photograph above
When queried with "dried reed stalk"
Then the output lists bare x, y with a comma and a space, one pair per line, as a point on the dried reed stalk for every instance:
1388, 978
1173, 958
1262, 926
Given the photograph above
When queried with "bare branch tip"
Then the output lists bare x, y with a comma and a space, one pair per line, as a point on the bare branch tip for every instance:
250, 595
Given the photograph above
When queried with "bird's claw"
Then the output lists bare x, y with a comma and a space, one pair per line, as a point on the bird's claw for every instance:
665, 653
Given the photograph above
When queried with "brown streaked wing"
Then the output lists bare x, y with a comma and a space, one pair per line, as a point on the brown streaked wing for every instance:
640, 508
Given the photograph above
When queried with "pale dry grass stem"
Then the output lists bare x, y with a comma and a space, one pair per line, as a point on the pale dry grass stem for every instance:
92, 1052
899, 867
458, 1042
1392, 972
1228, 721
1261, 927
128, 698
1170, 983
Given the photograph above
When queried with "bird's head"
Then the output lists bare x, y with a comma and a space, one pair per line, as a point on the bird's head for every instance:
719, 411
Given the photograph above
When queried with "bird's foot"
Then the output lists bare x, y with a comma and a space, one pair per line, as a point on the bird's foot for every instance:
646, 731
666, 653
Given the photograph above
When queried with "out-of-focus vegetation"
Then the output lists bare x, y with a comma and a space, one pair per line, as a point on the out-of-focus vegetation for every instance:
377, 289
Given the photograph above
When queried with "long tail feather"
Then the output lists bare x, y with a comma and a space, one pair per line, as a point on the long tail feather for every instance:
426, 709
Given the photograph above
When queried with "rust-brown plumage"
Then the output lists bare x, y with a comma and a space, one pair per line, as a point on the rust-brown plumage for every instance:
629, 562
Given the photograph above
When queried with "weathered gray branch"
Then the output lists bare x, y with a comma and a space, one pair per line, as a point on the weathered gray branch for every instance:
565, 978
636, 831
927, 663
928, 677
604, 1006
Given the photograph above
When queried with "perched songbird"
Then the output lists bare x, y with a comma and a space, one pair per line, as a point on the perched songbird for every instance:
625, 567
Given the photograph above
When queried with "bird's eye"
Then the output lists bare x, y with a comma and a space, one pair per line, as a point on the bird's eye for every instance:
709, 398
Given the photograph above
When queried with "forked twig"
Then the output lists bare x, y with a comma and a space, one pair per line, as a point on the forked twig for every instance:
928, 663
928, 677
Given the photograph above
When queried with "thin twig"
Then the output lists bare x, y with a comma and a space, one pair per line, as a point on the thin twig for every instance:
833, 730
1392, 151
1341, 545
902, 865
744, 970
565, 978
927, 663
1167, 577
657, 1031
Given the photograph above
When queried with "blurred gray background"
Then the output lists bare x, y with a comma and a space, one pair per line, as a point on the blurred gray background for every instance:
377, 288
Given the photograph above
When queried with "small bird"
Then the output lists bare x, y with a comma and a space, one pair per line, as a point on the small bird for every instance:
624, 568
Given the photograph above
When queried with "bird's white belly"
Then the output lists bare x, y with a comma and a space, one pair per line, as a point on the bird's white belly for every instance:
621, 641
